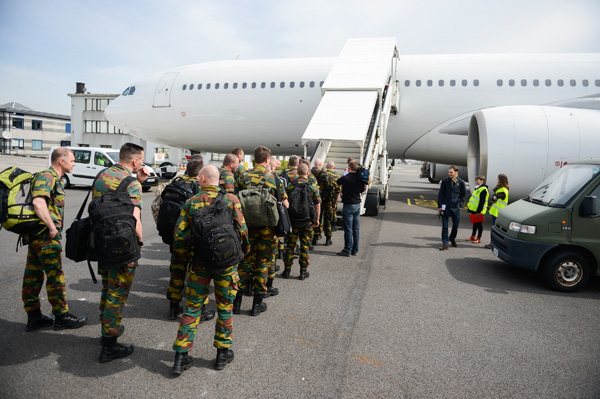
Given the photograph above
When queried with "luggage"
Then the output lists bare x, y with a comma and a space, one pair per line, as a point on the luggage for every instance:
363, 175
16, 204
78, 239
258, 205
173, 197
302, 208
284, 224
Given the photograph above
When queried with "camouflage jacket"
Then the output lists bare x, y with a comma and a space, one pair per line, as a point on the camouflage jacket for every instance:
155, 206
314, 188
330, 188
110, 179
227, 180
257, 175
47, 184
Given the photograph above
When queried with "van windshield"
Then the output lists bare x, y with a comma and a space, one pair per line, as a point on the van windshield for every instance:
113, 155
560, 187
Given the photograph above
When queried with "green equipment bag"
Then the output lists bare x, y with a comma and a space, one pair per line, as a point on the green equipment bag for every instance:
16, 205
258, 205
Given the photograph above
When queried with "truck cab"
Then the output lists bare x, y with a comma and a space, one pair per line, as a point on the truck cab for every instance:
556, 228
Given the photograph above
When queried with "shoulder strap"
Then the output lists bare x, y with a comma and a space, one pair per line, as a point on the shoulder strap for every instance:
124, 184
83, 205
277, 184
263, 181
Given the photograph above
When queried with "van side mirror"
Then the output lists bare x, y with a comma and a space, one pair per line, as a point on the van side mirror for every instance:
589, 206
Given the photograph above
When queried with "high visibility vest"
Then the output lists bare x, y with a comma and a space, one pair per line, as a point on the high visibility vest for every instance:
476, 198
500, 203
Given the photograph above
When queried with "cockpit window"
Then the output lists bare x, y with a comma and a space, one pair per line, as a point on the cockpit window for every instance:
129, 91
126, 91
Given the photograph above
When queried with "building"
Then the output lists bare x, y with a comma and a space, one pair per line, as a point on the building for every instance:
90, 128
32, 133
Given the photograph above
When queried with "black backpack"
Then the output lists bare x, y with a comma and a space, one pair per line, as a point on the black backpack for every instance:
173, 199
302, 208
113, 240
216, 241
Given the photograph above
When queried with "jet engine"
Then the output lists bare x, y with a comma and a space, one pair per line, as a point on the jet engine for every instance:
528, 143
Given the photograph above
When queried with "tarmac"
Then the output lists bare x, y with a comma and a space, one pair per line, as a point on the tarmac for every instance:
400, 320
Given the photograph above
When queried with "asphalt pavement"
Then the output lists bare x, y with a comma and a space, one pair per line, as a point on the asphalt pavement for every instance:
400, 320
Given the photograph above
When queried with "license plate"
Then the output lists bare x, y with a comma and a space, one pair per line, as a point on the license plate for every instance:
495, 251
151, 179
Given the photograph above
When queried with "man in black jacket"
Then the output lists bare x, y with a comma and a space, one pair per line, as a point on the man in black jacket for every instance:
451, 198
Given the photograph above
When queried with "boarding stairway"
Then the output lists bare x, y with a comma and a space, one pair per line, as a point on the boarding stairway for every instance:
351, 120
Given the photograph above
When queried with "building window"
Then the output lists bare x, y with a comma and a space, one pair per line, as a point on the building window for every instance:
499, 82
36, 145
68, 128
102, 127
65, 143
18, 144
90, 127
89, 104
36, 125
101, 104
18, 123
112, 129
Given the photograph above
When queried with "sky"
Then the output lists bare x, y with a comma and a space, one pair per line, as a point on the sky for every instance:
47, 46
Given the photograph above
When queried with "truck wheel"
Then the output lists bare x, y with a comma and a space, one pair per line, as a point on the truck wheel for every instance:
566, 271
65, 181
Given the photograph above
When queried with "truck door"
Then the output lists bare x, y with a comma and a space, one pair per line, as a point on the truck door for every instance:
586, 230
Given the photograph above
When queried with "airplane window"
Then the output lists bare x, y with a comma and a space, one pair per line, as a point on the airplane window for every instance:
585, 82
523, 82
476, 82
511, 82
263, 85
407, 83
429, 83
301, 84
292, 84
560, 82
282, 85
235, 85
254, 85
572, 82
536, 82
418, 83
192, 86
321, 84
464, 82
312, 84
226, 85
183, 87
548, 82
453, 83
131, 90
199, 86
272, 85
597, 84
499, 82
244, 85
125, 92
208, 86
217, 86
441, 83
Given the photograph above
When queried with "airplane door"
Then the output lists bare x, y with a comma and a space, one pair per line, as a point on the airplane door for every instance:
162, 95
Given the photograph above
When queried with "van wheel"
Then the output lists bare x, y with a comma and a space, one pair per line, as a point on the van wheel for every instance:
566, 271
65, 181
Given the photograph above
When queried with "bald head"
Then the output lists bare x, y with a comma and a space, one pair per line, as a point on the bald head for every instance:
330, 165
318, 163
302, 169
209, 176
59, 153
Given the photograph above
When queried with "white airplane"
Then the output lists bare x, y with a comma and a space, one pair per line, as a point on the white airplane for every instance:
522, 115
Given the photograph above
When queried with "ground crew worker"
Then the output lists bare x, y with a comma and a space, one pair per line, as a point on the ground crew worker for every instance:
226, 173
478, 206
44, 250
116, 283
198, 280
330, 191
499, 199
301, 233
254, 269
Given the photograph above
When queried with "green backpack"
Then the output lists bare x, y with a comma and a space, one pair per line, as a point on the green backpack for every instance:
258, 205
16, 205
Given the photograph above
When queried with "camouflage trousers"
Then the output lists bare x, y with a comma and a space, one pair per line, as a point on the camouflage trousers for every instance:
255, 266
290, 240
226, 287
177, 284
328, 219
116, 284
277, 243
44, 258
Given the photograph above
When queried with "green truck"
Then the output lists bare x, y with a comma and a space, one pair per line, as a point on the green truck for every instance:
556, 229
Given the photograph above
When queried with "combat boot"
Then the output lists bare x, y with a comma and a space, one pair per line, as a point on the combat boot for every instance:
248, 290
328, 241
271, 291
304, 275
174, 310
224, 356
113, 350
286, 273
237, 303
69, 320
258, 306
182, 362
36, 320
315, 239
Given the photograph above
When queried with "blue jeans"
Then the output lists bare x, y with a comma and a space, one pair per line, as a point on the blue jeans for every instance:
351, 218
455, 220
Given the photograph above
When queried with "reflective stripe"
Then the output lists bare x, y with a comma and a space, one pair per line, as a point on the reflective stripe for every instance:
475, 199
499, 204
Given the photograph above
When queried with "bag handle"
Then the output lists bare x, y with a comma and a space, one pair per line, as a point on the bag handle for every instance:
83, 205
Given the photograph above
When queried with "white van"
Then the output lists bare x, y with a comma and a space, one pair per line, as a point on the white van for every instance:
89, 161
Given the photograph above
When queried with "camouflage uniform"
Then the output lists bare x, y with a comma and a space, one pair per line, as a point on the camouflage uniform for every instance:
330, 190
198, 279
303, 234
116, 283
227, 180
44, 253
239, 176
262, 240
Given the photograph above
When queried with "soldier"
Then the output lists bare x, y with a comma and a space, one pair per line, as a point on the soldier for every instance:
239, 172
313, 180
301, 233
291, 172
227, 173
330, 191
317, 168
198, 279
257, 261
44, 250
116, 283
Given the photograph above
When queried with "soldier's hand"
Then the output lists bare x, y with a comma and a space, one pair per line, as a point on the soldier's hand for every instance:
315, 224
53, 231
142, 174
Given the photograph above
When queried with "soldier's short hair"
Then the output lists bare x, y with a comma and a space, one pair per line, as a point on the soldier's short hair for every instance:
305, 162
229, 159
293, 161
194, 167
261, 154
197, 157
237, 151
303, 169
330, 165
350, 159
129, 150
59, 153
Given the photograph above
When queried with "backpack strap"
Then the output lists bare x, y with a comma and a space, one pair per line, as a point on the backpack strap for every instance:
124, 184
278, 185
80, 213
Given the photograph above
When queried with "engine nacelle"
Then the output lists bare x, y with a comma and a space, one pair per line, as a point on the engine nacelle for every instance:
528, 143
438, 171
